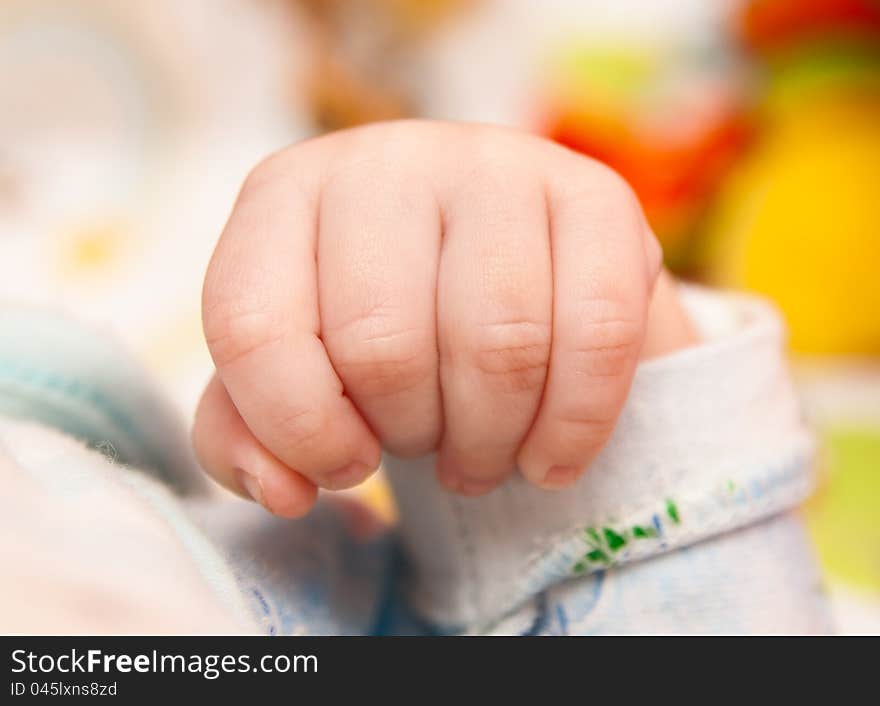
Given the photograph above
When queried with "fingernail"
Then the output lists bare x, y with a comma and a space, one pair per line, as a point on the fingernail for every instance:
473, 488
251, 485
560, 477
449, 479
453, 482
348, 476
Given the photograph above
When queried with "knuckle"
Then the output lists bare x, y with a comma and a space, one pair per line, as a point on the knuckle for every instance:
234, 333
303, 428
264, 172
377, 360
496, 167
276, 175
613, 184
597, 188
373, 182
373, 373
583, 426
513, 356
617, 200
364, 169
608, 341
609, 349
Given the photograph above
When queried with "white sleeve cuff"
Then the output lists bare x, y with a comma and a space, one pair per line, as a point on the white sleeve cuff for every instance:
711, 439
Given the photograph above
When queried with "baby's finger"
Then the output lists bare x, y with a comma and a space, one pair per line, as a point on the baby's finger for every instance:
494, 322
229, 452
260, 313
377, 262
602, 284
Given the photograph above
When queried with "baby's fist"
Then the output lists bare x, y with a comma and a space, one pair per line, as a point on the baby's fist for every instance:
421, 286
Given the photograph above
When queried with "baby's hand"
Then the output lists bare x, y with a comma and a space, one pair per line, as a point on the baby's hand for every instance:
425, 286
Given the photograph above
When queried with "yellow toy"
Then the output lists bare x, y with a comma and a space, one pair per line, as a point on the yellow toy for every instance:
799, 220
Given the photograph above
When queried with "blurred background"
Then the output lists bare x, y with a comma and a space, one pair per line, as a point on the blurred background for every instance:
749, 128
